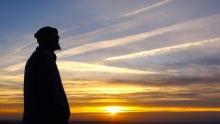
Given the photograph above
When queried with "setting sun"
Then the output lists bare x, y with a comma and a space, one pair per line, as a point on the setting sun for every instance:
113, 109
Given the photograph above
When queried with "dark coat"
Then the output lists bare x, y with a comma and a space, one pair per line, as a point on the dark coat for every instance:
45, 100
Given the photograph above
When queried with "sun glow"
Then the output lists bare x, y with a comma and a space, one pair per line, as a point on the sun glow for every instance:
114, 109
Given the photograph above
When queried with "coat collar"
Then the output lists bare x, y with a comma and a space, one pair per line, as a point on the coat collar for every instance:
51, 54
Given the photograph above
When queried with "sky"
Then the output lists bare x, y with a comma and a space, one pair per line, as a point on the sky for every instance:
135, 56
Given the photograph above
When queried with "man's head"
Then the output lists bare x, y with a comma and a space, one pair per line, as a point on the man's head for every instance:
48, 37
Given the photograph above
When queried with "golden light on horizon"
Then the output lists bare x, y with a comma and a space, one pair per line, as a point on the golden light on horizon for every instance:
114, 109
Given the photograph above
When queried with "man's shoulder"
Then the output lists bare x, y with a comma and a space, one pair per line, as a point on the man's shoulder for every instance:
38, 57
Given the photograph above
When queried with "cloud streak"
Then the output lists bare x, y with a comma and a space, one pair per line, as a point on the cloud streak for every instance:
110, 43
97, 45
164, 50
142, 9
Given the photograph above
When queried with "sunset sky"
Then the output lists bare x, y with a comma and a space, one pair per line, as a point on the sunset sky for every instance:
118, 56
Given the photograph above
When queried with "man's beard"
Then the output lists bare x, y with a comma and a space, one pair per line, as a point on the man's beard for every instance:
57, 47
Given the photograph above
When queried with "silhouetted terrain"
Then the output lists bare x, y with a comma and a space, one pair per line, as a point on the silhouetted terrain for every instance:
136, 118
109, 122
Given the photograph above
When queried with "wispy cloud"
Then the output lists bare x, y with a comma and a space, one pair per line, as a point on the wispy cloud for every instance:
72, 66
164, 50
97, 45
14, 67
112, 43
81, 67
142, 9
14, 80
109, 43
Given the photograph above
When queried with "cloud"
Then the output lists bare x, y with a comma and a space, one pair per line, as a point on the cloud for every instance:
14, 80
14, 67
142, 9
135, 38
81, 67
109, 43
94, 91
165, 50
80, 70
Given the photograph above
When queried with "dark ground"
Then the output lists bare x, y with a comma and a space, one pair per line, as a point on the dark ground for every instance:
108, 122
136, 118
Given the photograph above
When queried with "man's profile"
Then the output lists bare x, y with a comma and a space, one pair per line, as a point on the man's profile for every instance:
45, 100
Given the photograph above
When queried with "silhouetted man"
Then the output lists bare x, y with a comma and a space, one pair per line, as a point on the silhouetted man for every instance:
45, 100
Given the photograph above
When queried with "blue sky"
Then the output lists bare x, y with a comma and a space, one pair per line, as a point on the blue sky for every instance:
143, 44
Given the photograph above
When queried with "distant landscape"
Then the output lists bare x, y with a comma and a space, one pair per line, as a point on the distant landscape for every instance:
140, 118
